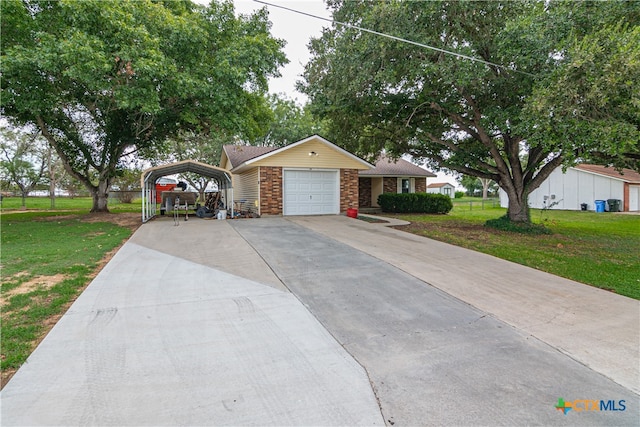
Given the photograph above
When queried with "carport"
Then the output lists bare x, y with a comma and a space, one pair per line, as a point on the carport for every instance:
151, 175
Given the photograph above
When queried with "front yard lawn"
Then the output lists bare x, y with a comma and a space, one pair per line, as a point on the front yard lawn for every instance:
599, 249
47, 260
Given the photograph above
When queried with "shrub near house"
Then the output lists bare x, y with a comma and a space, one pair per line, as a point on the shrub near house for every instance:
415, 203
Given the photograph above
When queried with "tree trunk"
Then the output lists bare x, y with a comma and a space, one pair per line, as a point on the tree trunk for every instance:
100, 196
485, 187
52, 179
518, 210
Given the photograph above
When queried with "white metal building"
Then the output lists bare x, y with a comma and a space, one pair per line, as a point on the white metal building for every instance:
585, 184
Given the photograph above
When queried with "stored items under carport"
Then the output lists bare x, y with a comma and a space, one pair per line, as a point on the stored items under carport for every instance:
212, 205
169, 198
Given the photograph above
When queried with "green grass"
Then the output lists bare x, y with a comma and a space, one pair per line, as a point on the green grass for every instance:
599, 249
47, 259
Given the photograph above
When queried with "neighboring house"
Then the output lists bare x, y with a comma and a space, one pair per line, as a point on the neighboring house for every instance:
389, 176
584, 184
442, 188
309, 177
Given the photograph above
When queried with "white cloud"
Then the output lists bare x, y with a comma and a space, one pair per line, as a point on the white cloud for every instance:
296, 30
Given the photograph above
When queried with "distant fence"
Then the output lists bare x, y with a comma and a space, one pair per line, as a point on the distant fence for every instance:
476, 204
115, 197
45, 193
124, 196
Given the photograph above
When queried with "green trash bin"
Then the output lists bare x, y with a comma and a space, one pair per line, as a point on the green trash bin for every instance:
614, 205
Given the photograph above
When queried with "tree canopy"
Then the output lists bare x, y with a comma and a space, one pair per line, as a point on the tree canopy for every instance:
23, 159
554, 82
102, 79
291, 123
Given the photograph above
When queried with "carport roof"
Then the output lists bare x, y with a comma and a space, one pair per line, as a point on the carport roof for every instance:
152, 174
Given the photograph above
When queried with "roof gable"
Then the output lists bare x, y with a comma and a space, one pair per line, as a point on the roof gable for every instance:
400, 167
273, 156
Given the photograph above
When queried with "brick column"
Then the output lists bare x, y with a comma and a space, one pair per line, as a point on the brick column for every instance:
270, 190
421, 185
364, 192
348, 189
625, 196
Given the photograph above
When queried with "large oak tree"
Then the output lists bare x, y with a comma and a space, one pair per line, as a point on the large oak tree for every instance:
102, 79
559, 84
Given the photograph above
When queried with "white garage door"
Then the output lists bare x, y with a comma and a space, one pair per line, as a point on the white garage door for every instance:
310, 192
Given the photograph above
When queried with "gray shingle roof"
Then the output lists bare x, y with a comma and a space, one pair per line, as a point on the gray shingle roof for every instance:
238, 154
387, 167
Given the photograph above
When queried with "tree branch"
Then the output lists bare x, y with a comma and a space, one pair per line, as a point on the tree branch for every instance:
544, 173
63, 155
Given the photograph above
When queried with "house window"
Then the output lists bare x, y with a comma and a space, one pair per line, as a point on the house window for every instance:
406, 185
447, 191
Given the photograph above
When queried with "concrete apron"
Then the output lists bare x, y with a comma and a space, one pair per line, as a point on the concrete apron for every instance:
432, 358
157, 339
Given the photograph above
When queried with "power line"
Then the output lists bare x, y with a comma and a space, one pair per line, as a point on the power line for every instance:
389, 36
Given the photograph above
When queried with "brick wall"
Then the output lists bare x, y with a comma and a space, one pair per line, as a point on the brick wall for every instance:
421, 185
348, 189
389, 184
364, 192
270, 190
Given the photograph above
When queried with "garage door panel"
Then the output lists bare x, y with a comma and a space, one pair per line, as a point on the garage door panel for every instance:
310, 192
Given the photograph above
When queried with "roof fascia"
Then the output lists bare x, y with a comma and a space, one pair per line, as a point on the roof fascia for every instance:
621, 178
303, 141
394, 176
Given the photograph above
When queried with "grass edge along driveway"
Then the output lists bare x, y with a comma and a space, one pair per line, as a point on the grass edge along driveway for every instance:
598, 249
48, 258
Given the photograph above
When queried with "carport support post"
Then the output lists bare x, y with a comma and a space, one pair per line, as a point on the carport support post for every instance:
148, 197
144, 202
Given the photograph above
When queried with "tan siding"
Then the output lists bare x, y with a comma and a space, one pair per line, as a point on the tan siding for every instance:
298, 157
227, 164
246, 187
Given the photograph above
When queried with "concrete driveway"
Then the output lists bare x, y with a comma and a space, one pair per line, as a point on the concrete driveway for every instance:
322, 321
433, 358
166, 336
